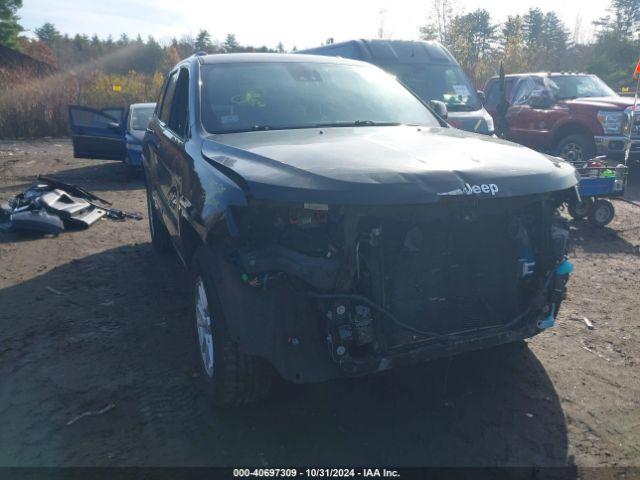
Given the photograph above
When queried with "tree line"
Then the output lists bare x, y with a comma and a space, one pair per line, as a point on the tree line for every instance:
538, 41
146, 56
531, 41
112, 71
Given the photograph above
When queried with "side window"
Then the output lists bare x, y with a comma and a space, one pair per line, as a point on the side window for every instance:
117, 113
523, 91
88, 118
179, 108
165, 109
493, 95
160, 98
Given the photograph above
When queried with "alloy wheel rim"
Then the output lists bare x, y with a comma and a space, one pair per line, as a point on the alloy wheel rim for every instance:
572, 152
204, 323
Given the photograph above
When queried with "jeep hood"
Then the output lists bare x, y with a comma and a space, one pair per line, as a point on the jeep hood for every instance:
382, 165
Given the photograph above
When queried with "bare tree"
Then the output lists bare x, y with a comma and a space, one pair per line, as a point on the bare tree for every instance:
383, 16
577, 29
439, 21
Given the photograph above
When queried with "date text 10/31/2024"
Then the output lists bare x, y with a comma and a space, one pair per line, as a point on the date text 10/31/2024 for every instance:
316, 473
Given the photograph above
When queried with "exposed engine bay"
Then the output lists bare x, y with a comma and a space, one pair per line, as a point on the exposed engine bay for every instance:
390, 280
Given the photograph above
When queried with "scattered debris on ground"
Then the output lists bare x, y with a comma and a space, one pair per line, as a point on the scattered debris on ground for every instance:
50, 206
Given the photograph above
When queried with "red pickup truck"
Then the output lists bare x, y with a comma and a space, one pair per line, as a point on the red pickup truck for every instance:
573, 115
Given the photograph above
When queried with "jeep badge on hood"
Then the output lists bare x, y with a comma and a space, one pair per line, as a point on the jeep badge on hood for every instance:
469, 189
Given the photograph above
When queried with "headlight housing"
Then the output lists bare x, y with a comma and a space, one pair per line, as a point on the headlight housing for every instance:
611, 121
631, 122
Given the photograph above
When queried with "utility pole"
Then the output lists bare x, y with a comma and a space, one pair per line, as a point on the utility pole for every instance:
383, 14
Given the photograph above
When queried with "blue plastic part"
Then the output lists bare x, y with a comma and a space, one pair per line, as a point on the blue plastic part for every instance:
590, 187
547, 322
565, 268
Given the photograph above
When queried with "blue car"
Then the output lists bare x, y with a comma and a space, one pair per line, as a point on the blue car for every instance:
110, 133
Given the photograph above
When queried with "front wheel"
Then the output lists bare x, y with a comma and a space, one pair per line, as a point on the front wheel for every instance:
231, 378
580, 210
601, 213
576, 148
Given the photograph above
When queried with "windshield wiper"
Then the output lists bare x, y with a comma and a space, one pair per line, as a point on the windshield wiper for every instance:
358, 123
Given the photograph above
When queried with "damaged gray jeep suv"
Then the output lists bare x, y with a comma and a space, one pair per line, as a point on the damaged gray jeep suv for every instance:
335, 226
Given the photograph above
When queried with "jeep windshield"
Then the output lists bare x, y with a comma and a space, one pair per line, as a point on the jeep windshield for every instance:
446, 83
580, 86
241, 97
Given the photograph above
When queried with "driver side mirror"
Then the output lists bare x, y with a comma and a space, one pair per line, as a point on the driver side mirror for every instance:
440, 108
481, 96
540, 99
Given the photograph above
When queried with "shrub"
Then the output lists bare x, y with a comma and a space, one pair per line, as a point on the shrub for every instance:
36, 107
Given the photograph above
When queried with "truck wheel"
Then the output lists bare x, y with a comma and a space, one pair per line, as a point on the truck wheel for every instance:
601, 213
160, 239
577, 148
580, 210
231, 378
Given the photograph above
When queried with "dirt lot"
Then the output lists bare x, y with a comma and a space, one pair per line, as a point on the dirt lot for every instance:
94, 318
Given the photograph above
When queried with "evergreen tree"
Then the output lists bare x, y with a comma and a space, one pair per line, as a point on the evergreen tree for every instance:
230, 43
512, 44
203, 41
533, 27
47, 33
472, 38
9, 26
554, 42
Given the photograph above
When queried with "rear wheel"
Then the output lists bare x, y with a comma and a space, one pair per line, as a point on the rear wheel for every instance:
231, 378
601, 213
577, 148
580, 210
160, 238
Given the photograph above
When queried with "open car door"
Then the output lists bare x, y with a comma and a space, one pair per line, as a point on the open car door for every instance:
97, 133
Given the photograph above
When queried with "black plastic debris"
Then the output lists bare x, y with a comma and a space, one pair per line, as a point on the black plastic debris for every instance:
36, 221
50, 206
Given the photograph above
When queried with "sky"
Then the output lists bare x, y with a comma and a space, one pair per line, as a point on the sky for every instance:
297, 23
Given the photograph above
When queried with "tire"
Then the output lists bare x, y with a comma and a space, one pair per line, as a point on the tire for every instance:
230, 378
160, 238
576, 148
580, 210
601, 213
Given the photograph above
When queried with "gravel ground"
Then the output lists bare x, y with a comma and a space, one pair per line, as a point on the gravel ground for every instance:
93, 321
